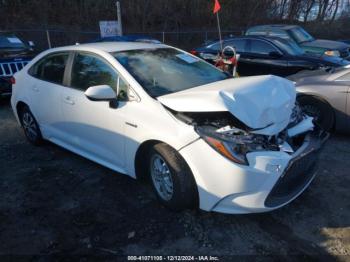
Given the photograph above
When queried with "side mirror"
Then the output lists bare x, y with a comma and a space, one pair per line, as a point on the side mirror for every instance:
31, 43
275, 54
101, 93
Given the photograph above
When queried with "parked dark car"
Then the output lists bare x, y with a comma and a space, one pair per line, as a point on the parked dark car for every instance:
345, 41
261, 55
304, 39
14, 55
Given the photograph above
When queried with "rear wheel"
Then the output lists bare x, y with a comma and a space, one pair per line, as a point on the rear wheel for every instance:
30, 126
171, 178
322, 112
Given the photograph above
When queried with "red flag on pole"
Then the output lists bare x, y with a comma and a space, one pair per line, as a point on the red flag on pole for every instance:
217, 6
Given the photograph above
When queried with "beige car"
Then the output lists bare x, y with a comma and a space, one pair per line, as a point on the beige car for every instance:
325, 94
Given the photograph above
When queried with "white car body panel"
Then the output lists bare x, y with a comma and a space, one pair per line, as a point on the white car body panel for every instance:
111, 137
260, 102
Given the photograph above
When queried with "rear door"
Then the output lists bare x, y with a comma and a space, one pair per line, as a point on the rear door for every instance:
45, 87
260, 61
94, 128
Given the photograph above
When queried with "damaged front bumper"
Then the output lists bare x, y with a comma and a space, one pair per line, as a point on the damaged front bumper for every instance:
299, 173
272, 179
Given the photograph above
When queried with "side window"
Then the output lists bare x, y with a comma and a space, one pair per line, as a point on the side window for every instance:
89, 70
50, 68
239, 44
279, 33
257, 32
345, 77
261, 47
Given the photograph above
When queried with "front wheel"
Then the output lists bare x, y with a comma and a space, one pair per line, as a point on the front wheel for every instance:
30, 126
171, 178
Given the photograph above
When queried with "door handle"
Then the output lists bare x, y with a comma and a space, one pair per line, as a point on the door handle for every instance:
68, 100
35, 89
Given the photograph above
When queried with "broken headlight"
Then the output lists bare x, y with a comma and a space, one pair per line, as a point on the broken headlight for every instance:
233, 144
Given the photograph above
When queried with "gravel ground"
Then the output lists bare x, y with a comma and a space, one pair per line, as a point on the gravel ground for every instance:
55, 202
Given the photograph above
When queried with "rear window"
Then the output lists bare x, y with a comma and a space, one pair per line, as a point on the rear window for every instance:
238, 44
11, 41
256, 31
164, 71
279, 33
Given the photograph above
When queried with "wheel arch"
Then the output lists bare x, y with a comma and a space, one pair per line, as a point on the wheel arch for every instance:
314, 96
321, 99
140, 161
19, 107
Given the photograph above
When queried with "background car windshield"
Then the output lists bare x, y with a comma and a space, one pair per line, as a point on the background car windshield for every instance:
300, 35
11, 41
290, 47
166, 70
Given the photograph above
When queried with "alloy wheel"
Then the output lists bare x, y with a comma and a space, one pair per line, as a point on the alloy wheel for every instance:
161, 177
30, 127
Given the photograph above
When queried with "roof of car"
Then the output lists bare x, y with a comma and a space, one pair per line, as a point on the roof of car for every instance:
111, 47
280, 26
261, 37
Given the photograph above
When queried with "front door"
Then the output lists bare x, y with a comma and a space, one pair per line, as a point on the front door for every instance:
265, 59
94, 128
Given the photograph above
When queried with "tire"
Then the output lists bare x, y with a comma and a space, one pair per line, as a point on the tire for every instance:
167, 167
322, 112
30, 126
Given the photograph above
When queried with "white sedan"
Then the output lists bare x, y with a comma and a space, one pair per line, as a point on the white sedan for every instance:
152, 111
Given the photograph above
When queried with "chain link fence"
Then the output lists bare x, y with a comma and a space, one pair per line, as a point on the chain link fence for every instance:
44, 39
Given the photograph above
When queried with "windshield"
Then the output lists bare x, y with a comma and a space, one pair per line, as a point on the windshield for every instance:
11, 41
300, 35
164, 71
290, 47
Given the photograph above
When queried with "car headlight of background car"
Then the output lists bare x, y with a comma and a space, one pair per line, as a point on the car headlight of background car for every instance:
332, 53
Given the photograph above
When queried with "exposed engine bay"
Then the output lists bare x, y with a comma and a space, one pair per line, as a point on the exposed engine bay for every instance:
222, 129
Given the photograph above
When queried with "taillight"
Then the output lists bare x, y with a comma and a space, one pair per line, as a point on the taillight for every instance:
194, 52
13, 80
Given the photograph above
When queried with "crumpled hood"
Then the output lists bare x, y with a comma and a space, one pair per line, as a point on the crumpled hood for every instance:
263, 103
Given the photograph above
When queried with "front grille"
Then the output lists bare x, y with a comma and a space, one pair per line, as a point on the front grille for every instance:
296, 177
10, 68
345, 53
